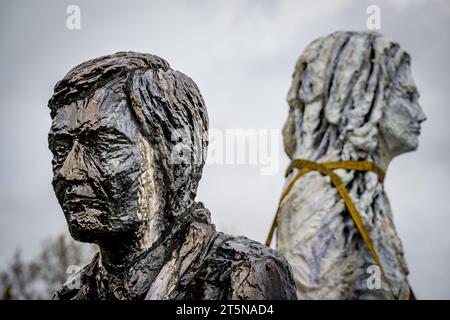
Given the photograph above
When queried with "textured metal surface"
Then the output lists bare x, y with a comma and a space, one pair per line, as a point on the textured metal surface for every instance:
129, 139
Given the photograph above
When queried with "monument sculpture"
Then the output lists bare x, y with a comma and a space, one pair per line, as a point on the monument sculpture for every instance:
129, 139
353, 107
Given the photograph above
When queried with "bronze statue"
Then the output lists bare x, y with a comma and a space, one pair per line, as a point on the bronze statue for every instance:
129, 139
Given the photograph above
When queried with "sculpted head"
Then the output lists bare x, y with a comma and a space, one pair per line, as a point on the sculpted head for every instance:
129, 138
352, 98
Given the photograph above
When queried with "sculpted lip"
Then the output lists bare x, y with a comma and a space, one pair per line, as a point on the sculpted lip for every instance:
79, 193
415, 129
80, 201
75, 200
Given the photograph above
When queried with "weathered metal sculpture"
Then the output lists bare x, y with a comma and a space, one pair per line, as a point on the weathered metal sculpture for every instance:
129, 139
352, 99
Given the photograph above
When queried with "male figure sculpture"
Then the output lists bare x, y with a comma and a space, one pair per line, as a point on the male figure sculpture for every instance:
129, 139
352, 99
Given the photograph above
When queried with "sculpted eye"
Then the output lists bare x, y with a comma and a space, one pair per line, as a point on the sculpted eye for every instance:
410, 96
61, 149
60, 144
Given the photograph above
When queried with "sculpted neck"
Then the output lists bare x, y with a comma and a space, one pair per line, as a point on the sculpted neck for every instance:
119, 258
122, 253
382, 157
127, 250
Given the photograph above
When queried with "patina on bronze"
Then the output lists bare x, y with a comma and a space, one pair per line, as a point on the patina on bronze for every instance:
129, 139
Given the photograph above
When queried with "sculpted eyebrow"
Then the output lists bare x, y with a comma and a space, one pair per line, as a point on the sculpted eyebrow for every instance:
59, 133
64, 133
54, 136
98, 130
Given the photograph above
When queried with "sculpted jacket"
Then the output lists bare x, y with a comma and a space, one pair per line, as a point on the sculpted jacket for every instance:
201, 264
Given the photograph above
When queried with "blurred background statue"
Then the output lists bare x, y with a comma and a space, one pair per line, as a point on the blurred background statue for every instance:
129, 138
353, 107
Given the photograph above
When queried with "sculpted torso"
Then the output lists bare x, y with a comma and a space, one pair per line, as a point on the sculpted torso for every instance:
129, 139
352, 98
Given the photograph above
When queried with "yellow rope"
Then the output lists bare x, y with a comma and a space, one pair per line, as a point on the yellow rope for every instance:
305, 166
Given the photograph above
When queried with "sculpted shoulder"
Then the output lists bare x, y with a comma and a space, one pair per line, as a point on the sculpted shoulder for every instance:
255, 271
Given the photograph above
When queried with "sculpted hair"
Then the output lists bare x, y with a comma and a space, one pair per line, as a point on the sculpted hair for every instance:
341, 84
168, 109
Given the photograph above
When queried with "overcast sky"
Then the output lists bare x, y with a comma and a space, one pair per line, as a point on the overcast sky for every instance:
241, 54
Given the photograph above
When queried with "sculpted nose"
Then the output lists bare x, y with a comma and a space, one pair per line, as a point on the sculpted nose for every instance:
421, 117
74, 167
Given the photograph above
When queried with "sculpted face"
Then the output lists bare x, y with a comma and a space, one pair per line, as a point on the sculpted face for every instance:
402, 117
97, 162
